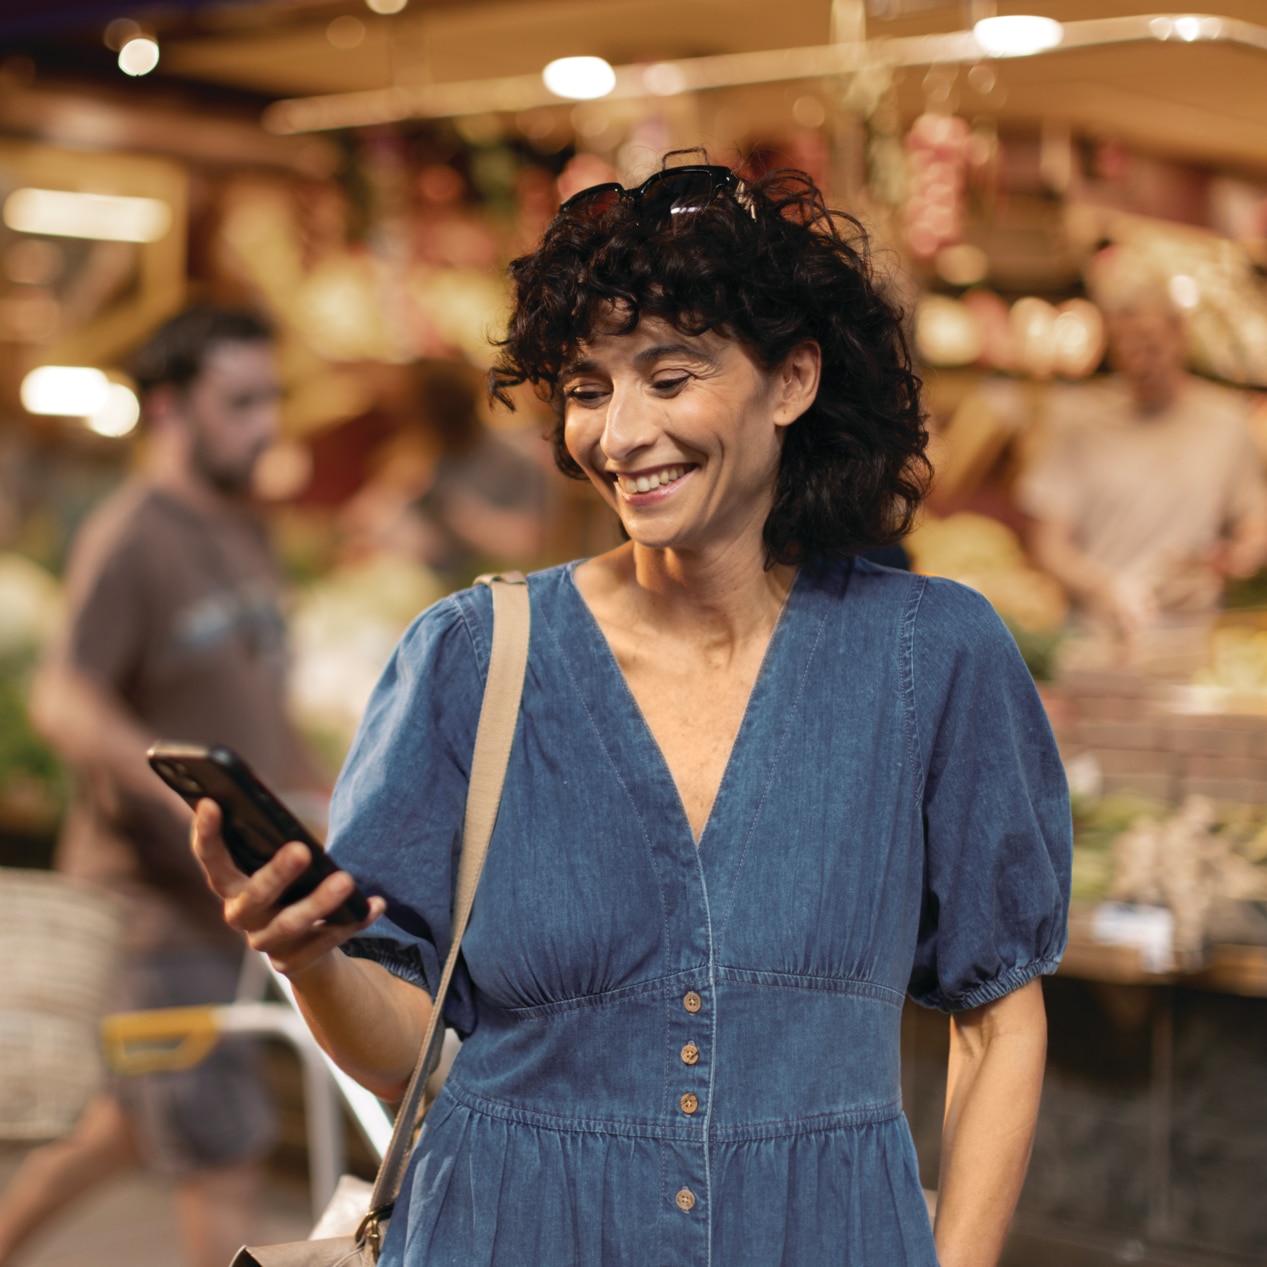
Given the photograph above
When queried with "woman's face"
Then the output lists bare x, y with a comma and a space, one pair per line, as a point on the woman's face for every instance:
680, 433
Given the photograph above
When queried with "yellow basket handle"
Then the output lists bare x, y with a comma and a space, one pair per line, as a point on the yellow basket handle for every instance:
159, 1039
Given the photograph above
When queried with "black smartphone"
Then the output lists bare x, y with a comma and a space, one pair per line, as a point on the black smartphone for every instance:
255, 823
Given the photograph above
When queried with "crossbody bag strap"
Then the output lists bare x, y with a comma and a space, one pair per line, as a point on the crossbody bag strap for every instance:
493, 738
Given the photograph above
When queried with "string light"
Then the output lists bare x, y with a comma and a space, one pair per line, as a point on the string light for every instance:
139, 55
579, 78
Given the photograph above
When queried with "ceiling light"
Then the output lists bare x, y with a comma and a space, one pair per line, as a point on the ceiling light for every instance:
119, 412
138, 56
1017, 36
579, 78
385, 6
66, 391
61, 213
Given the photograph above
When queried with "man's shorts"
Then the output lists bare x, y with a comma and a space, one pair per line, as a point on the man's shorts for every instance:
219, 1113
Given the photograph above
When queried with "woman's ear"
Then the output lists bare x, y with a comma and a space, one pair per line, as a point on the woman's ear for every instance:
797, 381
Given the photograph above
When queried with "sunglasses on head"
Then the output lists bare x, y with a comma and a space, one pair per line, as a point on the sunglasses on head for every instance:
667, 193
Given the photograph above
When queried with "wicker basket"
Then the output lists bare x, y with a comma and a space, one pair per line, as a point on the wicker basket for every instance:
58, 948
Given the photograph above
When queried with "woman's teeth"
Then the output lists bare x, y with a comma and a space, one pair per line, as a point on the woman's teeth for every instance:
645, 483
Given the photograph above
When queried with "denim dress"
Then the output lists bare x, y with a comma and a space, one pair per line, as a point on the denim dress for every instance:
681, 1054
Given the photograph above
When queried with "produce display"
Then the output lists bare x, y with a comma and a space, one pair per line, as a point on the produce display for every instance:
1237, 662
987, 555
32, 783
1196, 860
1031, 336
343, 628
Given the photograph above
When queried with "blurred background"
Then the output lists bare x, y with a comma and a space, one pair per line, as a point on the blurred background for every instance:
363, 170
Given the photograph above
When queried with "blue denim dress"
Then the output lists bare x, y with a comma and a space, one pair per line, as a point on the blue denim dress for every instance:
681, 1055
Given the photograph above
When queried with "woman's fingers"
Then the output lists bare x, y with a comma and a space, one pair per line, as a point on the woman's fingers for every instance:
209, 848
295, 918
294, 944
293, 936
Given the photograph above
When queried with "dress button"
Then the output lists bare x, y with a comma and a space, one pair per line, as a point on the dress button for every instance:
685, 1199
690, 1054
689, 1103
692, 1002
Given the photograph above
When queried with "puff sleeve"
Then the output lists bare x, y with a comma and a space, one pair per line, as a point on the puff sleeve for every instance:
397, 809
997, 830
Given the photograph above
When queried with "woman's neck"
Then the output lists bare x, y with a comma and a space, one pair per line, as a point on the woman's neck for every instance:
726, 598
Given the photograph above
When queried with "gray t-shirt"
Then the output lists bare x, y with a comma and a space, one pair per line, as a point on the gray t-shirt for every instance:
175, 611
1147, 495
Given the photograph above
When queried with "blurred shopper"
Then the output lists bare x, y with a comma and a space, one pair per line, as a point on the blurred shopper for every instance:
174, 631
1149, 492
473, 500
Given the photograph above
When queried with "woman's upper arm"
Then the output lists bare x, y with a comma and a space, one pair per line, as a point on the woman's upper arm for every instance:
397, 810
998, 836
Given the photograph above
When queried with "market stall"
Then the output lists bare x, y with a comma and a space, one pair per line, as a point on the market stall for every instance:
364, 173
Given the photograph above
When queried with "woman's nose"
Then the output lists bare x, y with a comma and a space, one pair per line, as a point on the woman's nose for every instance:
628, 424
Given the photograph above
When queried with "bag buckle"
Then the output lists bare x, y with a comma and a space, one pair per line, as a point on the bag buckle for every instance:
370, 1231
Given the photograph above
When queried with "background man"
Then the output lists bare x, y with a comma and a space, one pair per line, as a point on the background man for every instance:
1149, 492
174, 631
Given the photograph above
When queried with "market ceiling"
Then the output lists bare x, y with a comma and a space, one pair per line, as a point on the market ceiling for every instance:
1203, 100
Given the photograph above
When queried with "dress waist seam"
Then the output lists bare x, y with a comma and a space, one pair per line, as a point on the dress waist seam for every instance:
865, 1115
665, 986
804, 981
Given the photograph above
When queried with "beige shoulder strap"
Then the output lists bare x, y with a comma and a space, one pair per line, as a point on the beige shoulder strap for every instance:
493, 738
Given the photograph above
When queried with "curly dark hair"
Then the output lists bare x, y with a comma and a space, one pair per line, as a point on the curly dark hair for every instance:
768, 264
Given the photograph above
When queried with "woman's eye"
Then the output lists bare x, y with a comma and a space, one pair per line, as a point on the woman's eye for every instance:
585, 395
670, 384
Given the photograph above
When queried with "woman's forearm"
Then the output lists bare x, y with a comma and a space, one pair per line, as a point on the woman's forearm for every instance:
370, 1022
997, 1053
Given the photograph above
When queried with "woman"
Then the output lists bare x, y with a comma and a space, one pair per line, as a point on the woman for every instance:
760, 790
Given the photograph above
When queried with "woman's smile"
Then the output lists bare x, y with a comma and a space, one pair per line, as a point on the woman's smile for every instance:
660, 481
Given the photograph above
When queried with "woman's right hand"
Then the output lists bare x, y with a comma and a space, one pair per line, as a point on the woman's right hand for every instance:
296, 937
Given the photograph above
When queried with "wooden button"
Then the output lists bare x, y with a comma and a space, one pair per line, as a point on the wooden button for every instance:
690, 1054
685, 1199
689, 1103
692, 1002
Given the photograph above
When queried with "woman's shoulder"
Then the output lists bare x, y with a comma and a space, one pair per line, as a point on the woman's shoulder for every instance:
930, 609
468, 613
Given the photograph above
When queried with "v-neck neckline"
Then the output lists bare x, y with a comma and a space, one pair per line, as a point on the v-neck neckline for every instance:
647, 735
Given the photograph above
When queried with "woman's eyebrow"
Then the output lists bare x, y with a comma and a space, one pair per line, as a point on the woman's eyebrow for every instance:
696, 353
692, 350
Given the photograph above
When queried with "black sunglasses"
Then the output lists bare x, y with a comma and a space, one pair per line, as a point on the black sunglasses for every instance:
666, 193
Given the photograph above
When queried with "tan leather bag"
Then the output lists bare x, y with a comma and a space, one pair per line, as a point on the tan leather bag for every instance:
358, 1241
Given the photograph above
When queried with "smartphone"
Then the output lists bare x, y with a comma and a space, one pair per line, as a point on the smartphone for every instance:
255, 823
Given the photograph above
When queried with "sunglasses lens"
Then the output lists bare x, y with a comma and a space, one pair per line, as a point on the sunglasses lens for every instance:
594, 203
677, 192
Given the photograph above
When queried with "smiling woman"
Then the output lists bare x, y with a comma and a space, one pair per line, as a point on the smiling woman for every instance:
760, 791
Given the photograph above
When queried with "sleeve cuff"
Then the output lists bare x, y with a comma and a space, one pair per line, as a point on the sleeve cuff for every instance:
987, 992
400, 960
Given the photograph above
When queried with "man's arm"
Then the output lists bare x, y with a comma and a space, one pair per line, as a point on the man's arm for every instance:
997, 1053
1127, 602
93, 730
